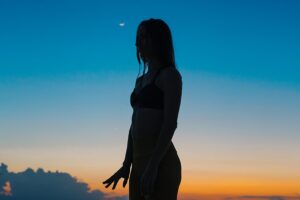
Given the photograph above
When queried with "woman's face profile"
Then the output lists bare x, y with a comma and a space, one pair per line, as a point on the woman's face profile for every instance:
143, 43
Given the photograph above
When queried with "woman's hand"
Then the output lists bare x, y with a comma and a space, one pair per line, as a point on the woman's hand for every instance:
123, 172
148, 179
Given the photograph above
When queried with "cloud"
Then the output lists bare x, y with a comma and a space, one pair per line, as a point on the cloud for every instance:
31, 185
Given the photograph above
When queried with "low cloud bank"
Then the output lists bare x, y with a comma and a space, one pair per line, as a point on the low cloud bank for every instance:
37, 185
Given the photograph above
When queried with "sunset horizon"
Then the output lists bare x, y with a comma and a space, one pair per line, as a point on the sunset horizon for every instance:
68, 68
186, 193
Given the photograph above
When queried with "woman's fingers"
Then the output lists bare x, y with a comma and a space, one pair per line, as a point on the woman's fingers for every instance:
108, 184
110, 179
115, 179
125, 181
115, 183
124, 173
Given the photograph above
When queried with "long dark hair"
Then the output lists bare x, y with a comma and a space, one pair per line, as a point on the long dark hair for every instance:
162, 42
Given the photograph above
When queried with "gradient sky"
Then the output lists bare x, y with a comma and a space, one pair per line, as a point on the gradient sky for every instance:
67, 69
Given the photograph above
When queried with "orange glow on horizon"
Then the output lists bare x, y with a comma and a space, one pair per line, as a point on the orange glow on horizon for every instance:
196, 183
218, 187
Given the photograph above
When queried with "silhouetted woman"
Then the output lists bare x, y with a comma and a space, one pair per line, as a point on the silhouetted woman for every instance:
156, 98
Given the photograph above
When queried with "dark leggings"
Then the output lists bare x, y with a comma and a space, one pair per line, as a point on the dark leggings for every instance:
167, 181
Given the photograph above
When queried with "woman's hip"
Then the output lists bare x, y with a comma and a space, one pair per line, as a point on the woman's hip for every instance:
170, 163
170, 159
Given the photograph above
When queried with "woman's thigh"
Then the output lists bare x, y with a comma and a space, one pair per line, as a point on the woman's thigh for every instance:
167, 181
134, 187
134, 181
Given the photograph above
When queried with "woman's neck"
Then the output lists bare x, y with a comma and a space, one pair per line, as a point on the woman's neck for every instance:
154, 65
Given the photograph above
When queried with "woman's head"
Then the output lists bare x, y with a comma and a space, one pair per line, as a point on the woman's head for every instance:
154, 41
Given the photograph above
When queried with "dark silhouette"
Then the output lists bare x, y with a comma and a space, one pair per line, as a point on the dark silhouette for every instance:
41, 185
155, 166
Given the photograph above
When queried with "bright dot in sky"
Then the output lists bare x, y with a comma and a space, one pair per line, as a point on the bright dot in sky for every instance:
122, 24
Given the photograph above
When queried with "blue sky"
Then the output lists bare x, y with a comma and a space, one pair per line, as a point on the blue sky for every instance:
249, 39
67, 70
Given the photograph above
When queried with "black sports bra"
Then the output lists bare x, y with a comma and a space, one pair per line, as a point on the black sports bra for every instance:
150, 96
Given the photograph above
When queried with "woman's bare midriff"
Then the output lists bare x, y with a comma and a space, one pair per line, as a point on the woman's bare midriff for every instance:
145, 129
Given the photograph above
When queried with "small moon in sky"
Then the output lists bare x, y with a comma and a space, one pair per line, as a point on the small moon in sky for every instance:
122, 24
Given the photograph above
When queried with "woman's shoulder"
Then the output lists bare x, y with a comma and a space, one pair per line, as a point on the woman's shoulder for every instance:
169, 75
171, 71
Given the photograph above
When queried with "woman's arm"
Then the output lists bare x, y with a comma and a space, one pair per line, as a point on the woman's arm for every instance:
172, 88
128, 157
129, 150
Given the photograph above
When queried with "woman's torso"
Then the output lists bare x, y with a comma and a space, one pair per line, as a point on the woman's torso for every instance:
147, 117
